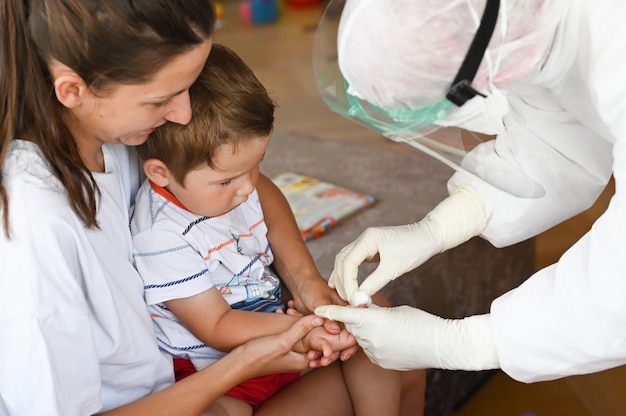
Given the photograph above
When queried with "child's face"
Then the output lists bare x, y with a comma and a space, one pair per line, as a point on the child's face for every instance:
213, 191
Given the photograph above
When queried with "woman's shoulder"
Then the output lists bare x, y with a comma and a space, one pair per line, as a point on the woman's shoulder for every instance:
26, 172
33, 189
24, 158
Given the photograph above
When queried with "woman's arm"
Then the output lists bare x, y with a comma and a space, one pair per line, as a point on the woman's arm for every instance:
195, 393
210, 318
292, 261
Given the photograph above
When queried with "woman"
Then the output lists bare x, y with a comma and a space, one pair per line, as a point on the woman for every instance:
80, 82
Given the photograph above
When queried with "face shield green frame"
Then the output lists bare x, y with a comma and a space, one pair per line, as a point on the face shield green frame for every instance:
389, 121
415, 128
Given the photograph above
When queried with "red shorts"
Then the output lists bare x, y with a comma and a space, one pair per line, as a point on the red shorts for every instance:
253, 391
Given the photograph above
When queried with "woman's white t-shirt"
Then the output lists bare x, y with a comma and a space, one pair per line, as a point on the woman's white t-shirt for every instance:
76, 335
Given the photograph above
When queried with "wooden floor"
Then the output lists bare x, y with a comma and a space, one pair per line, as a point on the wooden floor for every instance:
280, 54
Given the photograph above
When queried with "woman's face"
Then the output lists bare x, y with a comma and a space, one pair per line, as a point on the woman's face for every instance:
129, 113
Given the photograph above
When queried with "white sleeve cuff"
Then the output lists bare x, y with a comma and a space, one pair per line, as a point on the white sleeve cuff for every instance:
467, 344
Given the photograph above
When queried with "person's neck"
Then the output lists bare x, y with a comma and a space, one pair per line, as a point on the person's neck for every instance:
94, 159
89, 148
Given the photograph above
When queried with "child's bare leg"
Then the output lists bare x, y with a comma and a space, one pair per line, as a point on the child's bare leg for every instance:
319, 392
374, 390
384, 391
228, 406
413, 382
413, 392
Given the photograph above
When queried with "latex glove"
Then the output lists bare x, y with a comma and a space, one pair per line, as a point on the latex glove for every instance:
455, 220
406, 338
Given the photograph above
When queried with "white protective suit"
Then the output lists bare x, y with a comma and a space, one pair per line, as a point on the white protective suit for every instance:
566, 129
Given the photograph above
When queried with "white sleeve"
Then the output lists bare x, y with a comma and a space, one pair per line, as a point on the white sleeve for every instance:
169, 264
48, 358
76, 335
569, 318
547, 144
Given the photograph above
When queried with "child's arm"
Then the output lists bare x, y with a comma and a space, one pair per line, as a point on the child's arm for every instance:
210, 318
292, 259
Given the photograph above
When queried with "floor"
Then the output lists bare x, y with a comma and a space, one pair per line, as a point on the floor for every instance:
280, 54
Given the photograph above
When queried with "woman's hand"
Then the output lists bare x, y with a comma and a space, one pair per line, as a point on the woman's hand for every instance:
275, 353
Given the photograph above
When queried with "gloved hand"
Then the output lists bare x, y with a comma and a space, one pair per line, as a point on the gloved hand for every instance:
406, 338
455, 220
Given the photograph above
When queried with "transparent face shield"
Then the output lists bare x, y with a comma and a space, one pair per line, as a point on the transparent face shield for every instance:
457, 148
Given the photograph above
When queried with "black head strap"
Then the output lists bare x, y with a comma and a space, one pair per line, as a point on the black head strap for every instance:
462, 90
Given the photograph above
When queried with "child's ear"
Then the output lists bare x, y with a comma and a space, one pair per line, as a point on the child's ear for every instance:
69, 87
157, 172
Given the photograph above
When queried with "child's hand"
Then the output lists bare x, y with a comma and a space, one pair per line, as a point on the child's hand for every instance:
313, 291
339, 329
291, 309
331, 346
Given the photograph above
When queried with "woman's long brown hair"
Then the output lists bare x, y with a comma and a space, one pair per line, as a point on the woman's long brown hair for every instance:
106, 42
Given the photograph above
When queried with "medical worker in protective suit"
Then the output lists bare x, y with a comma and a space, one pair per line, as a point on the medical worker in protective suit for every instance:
546, 78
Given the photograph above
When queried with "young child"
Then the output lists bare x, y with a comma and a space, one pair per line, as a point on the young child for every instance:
200, 242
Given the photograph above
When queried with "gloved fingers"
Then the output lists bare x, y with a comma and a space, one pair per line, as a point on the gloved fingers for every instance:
338, 264
344, 287
347, 261
345, 314
345, 273
378, 279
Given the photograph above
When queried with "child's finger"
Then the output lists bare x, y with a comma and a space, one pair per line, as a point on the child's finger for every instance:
300, 329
